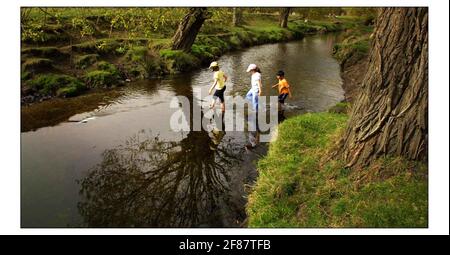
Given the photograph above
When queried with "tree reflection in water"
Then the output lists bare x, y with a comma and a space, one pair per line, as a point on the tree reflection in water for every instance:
147, 182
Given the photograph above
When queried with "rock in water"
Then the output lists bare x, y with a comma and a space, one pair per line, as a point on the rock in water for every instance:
87, 119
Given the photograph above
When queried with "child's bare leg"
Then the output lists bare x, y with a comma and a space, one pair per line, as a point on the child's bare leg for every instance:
222, 106
212, 104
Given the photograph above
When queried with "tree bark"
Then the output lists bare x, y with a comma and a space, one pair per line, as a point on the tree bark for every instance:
188, 29
237, 16
390, 115
284, 15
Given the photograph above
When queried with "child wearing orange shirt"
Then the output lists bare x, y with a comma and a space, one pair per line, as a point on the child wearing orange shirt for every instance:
283, 88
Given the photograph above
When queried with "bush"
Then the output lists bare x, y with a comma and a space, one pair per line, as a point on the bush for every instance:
102, 47
137, 53
49, 84
72, 90
149, 62
302, 28
158, 44
24, 75
246, 37
341, 107
43, 52
179, 60
37, 64
85, 61
213, 44
235, 42
202, 52
100, 78
353, 48
85, 47
106, 66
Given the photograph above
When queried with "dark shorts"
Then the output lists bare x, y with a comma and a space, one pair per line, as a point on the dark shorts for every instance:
219, 94
282, 97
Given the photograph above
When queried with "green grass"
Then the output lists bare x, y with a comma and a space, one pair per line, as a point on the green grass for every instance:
136, 53
100, 78
37, 64
57, 84
74, 89
356, 44
144, 61
341, 107
43, 52
353, 47
85, 61
178, 61
101, 46
299, 187
106, 66
157, 44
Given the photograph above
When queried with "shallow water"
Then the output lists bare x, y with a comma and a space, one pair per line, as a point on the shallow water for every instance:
124, 166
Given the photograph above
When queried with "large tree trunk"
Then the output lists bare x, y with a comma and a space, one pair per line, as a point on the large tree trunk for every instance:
188, 29
237, 16
284, 15
390, 115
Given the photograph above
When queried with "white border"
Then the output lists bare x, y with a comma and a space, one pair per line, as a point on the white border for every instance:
438, 115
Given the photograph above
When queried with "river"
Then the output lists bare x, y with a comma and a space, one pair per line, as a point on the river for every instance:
124, 166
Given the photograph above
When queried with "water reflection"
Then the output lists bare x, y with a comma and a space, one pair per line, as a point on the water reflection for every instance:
146, 182
253, 131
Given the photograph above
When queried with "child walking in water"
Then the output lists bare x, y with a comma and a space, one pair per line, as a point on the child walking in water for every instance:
219, 82
283, 89
256, 85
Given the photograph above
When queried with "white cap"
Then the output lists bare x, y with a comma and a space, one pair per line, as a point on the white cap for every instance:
251, 67
213, 64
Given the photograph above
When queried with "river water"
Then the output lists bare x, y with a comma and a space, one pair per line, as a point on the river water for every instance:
125, 167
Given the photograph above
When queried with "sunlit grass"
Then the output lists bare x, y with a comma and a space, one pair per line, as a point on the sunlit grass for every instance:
299, 186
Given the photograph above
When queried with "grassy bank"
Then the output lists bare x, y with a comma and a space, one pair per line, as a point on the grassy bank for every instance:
298, 186
59, 62
352, 54
355, 46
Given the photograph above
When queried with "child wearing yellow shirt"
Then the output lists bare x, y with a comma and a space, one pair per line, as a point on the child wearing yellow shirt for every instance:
219, 83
